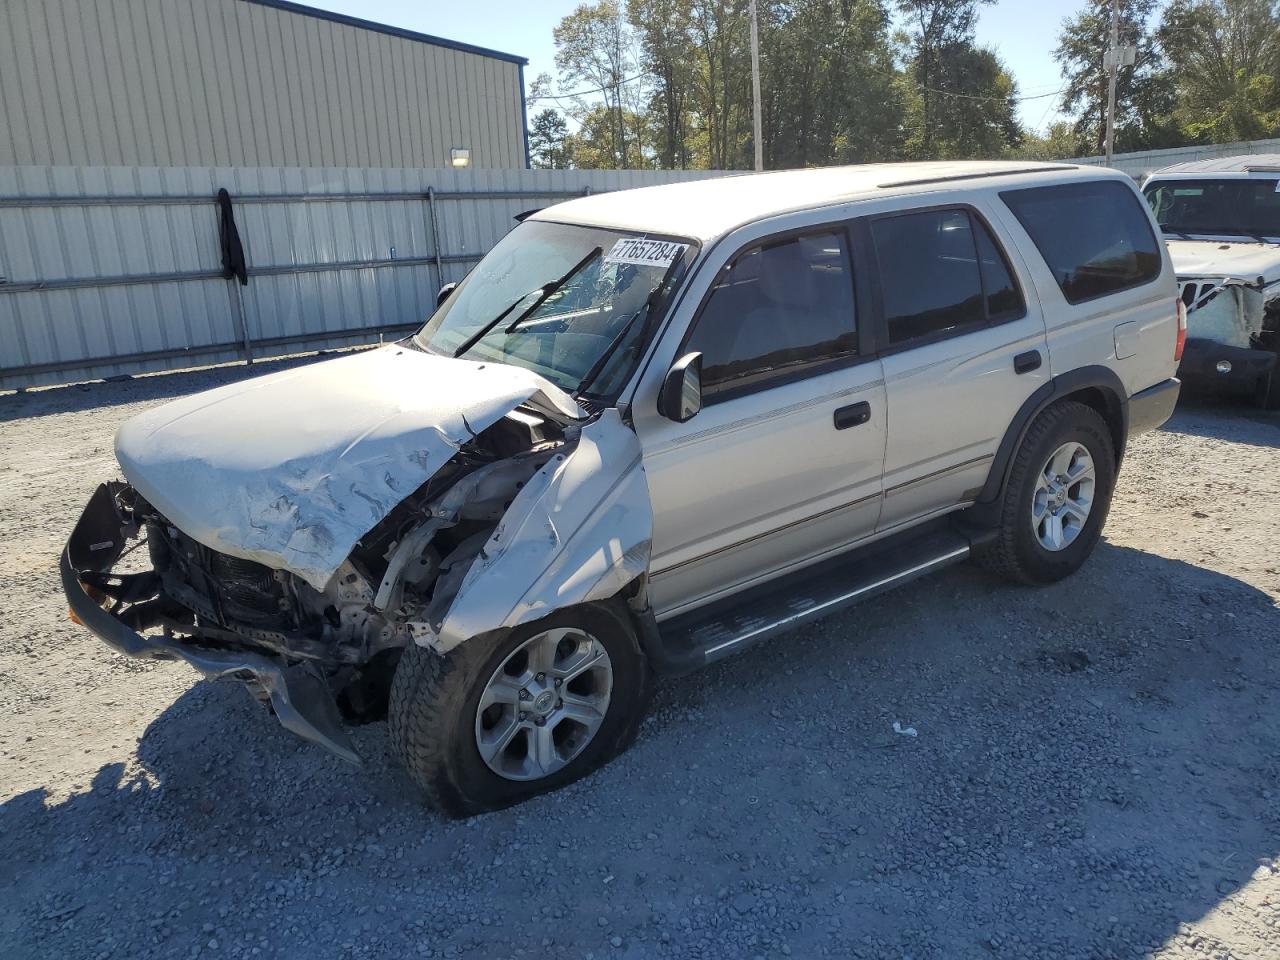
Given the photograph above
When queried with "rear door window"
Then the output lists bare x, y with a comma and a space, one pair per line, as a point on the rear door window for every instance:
1095, 237
941, 273
777, 311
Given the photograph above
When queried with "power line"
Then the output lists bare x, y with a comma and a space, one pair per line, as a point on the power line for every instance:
583, 93
894, 76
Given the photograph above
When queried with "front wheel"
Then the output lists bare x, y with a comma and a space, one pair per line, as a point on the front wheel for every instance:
1057, 496
509, 716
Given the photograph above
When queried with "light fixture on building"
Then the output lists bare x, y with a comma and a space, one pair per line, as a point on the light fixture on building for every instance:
460, 157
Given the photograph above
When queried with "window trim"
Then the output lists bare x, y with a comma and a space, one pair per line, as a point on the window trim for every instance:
801, 370
1144, 208
888, 348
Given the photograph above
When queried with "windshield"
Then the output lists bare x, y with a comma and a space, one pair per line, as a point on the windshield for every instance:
571, 303
1235, 207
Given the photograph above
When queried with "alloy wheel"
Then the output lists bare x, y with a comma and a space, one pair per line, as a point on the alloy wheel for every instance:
544, 704
1063, 497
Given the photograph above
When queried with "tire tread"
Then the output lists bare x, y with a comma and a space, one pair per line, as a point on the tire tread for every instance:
424, 723
1000, 556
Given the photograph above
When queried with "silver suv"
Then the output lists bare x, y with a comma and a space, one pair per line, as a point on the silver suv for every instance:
649, 429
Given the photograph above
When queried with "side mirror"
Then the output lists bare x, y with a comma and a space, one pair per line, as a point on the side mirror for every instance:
443, 295
681, 395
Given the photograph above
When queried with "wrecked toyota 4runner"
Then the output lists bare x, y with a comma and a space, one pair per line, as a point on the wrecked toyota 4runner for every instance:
1221, 219
647, 430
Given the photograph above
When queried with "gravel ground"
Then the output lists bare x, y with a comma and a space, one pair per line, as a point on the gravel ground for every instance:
1095, 771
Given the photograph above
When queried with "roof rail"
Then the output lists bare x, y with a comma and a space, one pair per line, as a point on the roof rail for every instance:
1262, 168
978, 176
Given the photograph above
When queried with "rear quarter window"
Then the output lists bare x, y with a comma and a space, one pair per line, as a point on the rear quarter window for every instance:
1095, 237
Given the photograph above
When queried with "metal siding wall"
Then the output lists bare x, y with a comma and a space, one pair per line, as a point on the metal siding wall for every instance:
1139, 164
202, 82
90, 331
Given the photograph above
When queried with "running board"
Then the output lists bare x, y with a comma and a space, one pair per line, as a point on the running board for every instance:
728, 626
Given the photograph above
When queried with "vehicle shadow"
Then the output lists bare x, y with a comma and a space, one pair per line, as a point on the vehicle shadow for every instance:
1084, 771
1232, 419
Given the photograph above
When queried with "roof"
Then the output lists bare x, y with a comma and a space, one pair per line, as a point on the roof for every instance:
708, 209
1269, 162
305, 11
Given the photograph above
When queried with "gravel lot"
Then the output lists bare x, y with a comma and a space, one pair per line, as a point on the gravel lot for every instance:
1096, 770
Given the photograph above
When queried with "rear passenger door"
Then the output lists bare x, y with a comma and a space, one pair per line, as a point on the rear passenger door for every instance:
963, 348
1104, 276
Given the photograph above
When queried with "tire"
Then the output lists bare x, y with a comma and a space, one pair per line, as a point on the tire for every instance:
435, 722
1018, 552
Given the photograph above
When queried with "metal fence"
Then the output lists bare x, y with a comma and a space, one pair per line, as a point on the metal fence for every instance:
114, 271
110, 271
1138, 165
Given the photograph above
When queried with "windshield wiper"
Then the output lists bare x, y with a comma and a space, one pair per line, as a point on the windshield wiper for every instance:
480, 334
668, 281
1165, 228
552, 287
546, 290
600, 363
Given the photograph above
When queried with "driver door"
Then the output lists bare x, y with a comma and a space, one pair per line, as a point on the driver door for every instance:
782, 465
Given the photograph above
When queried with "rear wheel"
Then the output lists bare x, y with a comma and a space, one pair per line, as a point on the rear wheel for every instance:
1057, 496
506, 717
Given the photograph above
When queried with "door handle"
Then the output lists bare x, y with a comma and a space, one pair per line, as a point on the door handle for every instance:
1026, 362
853, 415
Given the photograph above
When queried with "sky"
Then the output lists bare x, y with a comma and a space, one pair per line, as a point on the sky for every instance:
1023, 32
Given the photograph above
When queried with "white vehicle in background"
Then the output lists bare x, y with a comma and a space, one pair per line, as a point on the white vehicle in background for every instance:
1221, 219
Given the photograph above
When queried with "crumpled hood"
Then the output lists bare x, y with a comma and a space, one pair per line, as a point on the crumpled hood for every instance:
291, 469
1213, 258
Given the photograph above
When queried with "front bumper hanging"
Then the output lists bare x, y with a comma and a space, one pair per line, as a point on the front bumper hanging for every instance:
299, 694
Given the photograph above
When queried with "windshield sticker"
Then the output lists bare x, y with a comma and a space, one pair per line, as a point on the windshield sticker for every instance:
640, 252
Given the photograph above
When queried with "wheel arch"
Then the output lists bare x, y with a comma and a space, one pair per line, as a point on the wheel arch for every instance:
1095, 386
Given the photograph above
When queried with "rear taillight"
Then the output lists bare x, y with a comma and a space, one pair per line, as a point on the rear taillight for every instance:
1181, 342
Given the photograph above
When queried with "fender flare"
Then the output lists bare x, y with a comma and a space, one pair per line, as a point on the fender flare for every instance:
579, 531
1095, 377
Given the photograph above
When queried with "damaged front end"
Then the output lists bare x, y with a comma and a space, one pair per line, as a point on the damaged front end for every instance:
1233, 330
532, 513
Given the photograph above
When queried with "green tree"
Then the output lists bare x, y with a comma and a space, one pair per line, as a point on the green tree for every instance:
937, 30
548, 140
828, 83
667, 55
975, 107
1223, 57
594, 47
1144, 94
1059, 142
672, 85
722, 81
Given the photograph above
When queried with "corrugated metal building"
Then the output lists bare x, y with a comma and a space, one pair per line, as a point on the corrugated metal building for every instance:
245, 83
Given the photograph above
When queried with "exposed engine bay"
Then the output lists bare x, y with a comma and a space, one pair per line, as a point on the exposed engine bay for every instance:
1235, 311
397, 584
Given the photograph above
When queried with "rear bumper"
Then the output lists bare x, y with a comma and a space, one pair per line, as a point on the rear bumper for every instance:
298, 693
1200, 359
1150, 408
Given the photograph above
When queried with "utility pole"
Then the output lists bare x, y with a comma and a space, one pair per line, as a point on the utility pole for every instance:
755, 89
1116, 57
1113, 67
